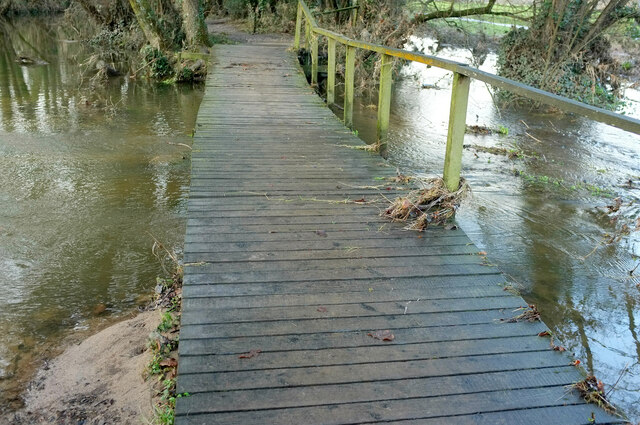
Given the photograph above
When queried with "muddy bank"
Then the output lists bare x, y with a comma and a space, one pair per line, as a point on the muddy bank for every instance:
98, 381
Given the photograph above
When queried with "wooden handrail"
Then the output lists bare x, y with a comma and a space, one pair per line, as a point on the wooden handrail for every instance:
459, 97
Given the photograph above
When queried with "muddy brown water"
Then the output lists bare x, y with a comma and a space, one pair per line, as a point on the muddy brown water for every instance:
86, 178
541, 219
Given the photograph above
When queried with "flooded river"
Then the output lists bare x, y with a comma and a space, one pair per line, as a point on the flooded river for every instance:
541, 218
86, 177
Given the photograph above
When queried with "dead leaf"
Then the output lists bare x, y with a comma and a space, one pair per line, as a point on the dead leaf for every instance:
360, 201
575, 363
616, 206
558, 348
322, 309
385, 335
251, 354
168, 363
321, 233
544, 333
483, 253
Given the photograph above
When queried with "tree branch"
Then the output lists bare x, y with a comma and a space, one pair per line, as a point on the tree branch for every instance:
450, 13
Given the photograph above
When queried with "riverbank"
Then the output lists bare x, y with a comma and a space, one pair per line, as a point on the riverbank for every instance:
98, 381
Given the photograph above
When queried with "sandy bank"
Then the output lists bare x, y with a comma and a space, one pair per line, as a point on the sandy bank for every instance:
99, 381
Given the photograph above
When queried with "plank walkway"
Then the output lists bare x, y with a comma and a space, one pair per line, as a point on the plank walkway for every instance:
279, 258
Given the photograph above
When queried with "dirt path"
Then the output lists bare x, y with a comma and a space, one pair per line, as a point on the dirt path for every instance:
236, 34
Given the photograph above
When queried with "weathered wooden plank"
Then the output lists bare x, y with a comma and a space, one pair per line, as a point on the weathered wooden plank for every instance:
265, 235
349, 324
196, 308
422, 283
365, 355
276, 398
332, 264
342, 273
288, 254
205, 374
236, 251
580, 414
348, 339
371, 412
334, 292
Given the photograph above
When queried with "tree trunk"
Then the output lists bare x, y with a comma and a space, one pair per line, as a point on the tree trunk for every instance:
5, 5
147, 26
194, 25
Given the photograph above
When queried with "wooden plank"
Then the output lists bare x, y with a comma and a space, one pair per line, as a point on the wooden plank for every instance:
288, 254
580, 414
348, 324
365, 355
422, 283
206, 374
194, 307
331, 340
277, 398
340, 273
398, 294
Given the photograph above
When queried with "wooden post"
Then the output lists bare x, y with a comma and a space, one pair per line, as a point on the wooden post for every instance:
331, 72
349, 71
296, 42
354, 12
457, 127
384, 101
314, 59
307, 33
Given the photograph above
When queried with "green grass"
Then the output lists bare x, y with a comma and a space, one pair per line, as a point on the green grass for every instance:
166, 323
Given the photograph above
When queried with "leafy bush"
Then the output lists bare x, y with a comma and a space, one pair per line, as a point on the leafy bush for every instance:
157, 62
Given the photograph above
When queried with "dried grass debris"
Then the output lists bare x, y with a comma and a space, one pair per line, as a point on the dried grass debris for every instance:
431, 206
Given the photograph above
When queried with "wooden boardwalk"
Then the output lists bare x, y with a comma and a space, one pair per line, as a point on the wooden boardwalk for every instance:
287, 274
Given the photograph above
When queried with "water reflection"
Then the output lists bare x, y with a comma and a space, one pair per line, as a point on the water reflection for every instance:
87, 175
538, 218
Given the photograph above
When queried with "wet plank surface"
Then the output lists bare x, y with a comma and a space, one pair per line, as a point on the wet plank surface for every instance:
287, 257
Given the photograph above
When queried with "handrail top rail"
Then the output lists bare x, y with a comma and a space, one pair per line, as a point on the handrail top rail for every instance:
533, 93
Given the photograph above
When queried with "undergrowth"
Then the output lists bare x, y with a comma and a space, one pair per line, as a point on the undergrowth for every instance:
163, 342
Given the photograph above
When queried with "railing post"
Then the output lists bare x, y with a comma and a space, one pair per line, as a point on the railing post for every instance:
314, 58
384, 101
307, 33
349, 71
457, 127
296, 42
354, 12
331, 72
